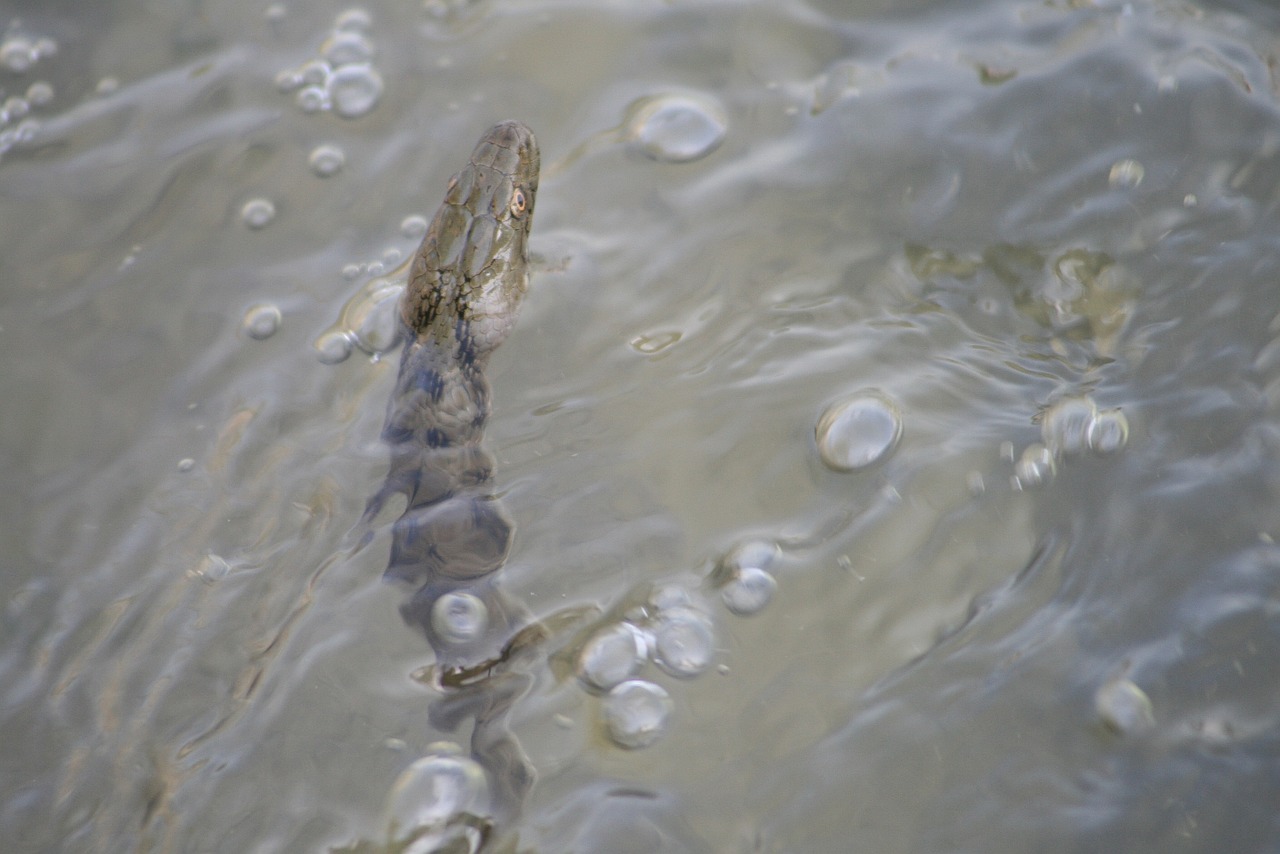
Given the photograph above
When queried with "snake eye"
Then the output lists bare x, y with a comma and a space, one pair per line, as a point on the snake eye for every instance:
518, 203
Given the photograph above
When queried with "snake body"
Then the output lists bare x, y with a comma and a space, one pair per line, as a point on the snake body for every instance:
466, 283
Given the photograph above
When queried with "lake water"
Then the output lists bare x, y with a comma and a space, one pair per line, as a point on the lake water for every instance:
1039, 239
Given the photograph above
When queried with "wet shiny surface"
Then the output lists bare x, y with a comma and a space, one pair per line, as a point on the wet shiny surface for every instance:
1045, 231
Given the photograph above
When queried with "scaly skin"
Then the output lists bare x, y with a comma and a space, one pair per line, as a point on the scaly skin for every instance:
465, 287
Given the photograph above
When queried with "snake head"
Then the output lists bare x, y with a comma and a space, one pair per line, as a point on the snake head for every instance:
471, 271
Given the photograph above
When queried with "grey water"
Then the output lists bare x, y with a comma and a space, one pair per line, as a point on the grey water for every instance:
1027, 599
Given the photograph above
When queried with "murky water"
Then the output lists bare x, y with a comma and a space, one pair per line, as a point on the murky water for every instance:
1044, 615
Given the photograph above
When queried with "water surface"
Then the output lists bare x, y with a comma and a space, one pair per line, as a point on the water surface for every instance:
1002, 635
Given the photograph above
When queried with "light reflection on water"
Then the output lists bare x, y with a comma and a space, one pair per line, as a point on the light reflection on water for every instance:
985, 213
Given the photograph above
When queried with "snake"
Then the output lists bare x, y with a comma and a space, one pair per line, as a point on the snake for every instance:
466, 283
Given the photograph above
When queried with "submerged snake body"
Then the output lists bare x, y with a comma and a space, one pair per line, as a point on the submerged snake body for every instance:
465, 287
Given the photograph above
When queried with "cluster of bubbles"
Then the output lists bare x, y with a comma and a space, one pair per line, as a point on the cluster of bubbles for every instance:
342, 79
368, 320
1070, 427
675, 632
19, 54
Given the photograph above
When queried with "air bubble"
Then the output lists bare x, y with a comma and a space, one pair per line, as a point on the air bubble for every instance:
326, 160
107, 86
859, 431
434, 789
288, 80
1065, 426
636, 713
354, 90
257, 213
1123, 707
683, 642
262, 321
346, 48
333, 347
413, 226
612, 655
754, 553
749, 591
676, 128
313, 99
1126, 174
1109, 432
459, 617
18, 54
314, 73
39, 93
353, 20
1035, 467
14, 108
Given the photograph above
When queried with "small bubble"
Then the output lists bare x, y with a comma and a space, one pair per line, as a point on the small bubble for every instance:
391, 256
670, 596
459, 617
346, 48
750, 590
46, 47
759, 554
351, 272
636, 713
313, 99
326, 160
1035, 467
355, 90
683, 642
257, 213
26, 131
856, 432
107, 86
1109, 432
333, 347
186, 464
1123, 707
315, 72
1065, 425
413, 226
39, 93
288, 80
612, 655
18, 54
275, 13
432, 790
14, 108
262, 321
212, 569
655, 343
354, 19
1126, 174
676, 128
